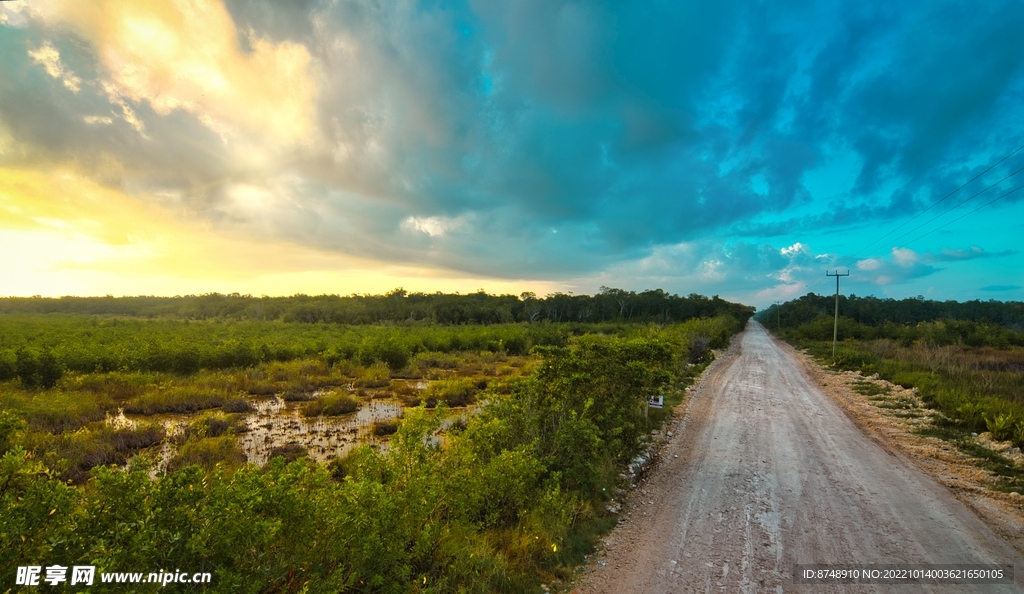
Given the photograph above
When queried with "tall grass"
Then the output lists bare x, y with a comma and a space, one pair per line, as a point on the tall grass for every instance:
977, 389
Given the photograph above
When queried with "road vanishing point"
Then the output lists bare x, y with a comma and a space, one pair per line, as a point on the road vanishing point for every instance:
765, 472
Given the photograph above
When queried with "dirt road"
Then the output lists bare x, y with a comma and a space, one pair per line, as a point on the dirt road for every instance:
765, 472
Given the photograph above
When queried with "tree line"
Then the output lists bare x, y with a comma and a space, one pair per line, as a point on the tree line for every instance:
874, 312
399, 306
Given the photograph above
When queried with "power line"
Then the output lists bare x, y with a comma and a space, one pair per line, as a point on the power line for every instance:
810, 285
967, 214
958, 205
940, 200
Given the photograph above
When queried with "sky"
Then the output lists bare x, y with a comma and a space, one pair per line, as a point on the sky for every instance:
732, 148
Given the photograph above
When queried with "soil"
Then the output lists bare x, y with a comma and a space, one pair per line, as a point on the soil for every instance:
773, 462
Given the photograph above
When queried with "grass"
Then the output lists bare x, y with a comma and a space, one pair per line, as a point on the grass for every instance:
389, 427
975, 389
331, 405
454, 393
73, 454
175, 400
978, 388
870, 388
1010, 476
207, 452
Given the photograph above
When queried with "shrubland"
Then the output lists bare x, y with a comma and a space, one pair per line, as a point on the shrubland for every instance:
497, 500
969, 370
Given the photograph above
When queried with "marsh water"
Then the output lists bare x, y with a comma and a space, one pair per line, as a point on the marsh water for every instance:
277, 424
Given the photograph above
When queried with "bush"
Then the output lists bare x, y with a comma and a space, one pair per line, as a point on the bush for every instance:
381, 428
1001, 426
290, 452
331, 405
37, 370
460, 392
207, 452
384, 349
376, 375
10, 426
699, 349
177, 400
8, 365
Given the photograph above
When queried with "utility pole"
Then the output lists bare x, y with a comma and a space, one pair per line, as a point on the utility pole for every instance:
835, 329
778, 315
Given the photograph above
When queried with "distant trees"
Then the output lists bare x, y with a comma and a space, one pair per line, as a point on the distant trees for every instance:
399, 306
873, 311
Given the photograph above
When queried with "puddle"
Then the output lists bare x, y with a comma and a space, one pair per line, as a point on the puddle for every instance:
277, 423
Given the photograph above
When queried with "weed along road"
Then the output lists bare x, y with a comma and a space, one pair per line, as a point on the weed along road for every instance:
765, 472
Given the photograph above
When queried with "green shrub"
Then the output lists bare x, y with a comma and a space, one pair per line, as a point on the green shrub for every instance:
457, 392
37, 369
11, 425
384, 349
331, 405
8, 365
207, 452
376, 375
1001, 426
176, 400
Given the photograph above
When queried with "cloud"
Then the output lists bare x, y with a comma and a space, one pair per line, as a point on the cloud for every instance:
432, 226
186, 56
972, 253
68, 235
49, 58
527, 139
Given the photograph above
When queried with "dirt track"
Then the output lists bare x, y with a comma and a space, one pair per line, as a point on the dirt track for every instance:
765, 471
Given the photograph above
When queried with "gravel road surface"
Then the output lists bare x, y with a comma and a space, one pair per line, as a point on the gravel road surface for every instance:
765, 471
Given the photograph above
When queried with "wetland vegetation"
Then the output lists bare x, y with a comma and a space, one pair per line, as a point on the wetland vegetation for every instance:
966, 361
324, 457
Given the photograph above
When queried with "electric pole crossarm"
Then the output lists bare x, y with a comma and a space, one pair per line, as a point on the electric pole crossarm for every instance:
835, 327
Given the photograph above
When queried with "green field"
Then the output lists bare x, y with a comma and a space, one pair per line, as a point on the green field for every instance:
502, 499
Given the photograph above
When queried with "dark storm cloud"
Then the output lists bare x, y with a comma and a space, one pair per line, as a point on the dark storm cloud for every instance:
544, 138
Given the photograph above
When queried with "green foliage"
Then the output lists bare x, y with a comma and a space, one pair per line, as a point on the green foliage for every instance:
207, 452
386, 349
331, 405
485, 505
398, 306
376, 375
1002, 426
37, 369
962, 319
587, 403
11, 425
56, 411
454, 392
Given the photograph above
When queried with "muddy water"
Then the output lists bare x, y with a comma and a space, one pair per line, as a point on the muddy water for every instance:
277, 423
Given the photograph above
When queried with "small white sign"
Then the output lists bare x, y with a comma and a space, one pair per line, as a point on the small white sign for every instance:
656, 402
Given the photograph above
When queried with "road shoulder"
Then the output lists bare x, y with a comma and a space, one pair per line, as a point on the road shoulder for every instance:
1003, 513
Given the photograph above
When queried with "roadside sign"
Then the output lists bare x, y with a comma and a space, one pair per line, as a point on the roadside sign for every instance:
656, 401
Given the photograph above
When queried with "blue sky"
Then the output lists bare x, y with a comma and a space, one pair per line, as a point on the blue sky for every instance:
731, 148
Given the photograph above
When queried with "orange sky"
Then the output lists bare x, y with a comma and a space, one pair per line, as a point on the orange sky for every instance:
63, 234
